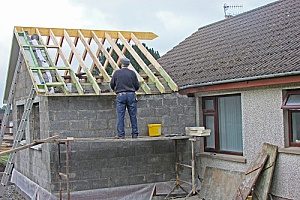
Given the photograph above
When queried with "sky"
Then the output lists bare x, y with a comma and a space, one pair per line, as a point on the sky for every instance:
171, 20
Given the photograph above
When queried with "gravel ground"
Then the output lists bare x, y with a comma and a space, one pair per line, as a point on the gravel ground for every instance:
9, 193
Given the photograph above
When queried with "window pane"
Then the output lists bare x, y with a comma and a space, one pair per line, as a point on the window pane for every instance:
209, 104
209, 123
230, 123
293, 100
296, 126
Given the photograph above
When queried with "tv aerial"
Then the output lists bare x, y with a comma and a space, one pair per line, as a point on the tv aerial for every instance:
232, 10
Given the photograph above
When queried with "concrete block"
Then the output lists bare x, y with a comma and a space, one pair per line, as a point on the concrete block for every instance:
78, 125
146, 112
170, 102
142, 103
155, 103
97, 124
99, 183
59, 125
87, 115
125, 151
106, 114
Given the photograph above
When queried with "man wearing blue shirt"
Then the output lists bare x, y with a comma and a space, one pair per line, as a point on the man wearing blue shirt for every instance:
124, 83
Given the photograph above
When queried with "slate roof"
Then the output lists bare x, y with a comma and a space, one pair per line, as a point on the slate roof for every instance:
263, 42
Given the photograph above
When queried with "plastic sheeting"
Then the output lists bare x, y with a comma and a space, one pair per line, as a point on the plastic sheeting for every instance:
30, 188
142, 192
130, 192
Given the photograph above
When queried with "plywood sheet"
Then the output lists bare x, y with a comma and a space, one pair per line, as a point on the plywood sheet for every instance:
262, 187
219, 184
251, 176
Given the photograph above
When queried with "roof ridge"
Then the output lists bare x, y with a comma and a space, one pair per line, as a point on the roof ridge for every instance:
240, 15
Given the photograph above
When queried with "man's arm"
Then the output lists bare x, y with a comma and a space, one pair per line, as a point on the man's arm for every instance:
136, 83
113, 82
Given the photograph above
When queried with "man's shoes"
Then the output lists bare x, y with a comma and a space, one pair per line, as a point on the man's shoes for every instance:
135, 135
119, 137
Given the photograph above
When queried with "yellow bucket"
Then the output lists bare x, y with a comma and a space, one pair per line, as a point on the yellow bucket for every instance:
154, 130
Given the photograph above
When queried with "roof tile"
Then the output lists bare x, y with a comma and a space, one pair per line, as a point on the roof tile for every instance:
263, 41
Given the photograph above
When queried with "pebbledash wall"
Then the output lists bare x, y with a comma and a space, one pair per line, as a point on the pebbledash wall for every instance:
263, 120
100, 164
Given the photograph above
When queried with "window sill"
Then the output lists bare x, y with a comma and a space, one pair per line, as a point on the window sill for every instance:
233, 158
290, 150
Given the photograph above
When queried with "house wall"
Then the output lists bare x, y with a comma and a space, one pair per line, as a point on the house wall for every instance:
111, 164
263, 121
32, 162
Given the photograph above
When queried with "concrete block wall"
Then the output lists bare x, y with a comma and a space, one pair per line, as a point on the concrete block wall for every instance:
107, 164
31, 162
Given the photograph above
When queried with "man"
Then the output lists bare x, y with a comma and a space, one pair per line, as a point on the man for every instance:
125, 83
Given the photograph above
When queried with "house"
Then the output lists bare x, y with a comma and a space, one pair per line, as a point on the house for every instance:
244, 72
73, 99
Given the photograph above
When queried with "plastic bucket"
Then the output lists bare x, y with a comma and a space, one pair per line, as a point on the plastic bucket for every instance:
154, 130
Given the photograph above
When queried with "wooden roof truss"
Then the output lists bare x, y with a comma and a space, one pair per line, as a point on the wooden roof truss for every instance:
81, 62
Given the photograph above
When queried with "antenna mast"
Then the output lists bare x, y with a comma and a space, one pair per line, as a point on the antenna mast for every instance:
228, 10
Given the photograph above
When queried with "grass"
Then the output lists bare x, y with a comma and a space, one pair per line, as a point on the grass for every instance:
3, 159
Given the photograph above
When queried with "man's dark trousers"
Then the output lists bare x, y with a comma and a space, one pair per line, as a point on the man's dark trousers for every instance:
126, 100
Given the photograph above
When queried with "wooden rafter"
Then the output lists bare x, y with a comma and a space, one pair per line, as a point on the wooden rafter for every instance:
141, 63
144, 86
82, 64
58, 44
56, 74
157, 66
95, 60
110, 54
67, 64
84, 53
71, 54
86, 83
93, 65
104, 51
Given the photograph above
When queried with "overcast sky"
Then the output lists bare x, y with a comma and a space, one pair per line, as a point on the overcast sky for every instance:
171, 20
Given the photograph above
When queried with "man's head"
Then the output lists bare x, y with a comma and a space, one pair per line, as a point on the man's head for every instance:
125, 62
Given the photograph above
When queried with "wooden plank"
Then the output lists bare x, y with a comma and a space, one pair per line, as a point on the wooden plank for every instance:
141, 63
144, 86
94, 58
127, 139
87, 33
59, 46
72, 74
93, 65
106, 61
56, 74
81, 62
219, 184
263, 184
254, 171
84, 54
104, 51
157, 66
50, 139
70, 59
37, 89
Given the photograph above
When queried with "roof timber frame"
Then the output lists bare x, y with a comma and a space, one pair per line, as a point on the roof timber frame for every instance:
68, 61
